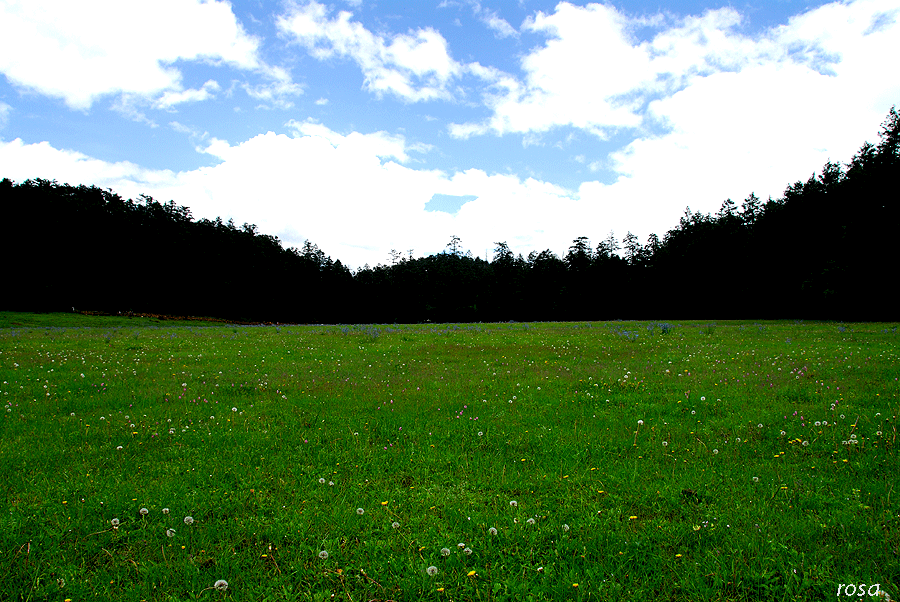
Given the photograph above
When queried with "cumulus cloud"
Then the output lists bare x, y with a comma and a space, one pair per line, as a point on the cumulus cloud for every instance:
414, 66
81, 51
594, 74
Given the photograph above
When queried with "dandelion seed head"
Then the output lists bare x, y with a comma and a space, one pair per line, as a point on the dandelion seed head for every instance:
114, 522
530, 521
144, 511
467, 551
221, 585
492, 531
445, 551
514, 503
323, 555
170, 532
189, 520
165, 510
360, 511
395, 525
432, 571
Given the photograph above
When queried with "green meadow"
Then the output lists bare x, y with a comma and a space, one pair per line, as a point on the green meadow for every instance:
150, 460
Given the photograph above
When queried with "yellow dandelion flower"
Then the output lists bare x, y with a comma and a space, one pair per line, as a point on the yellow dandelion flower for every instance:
470, 574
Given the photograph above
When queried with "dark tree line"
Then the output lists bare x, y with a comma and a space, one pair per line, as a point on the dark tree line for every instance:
825, 249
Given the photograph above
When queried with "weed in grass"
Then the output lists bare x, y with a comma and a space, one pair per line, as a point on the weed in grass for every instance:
489, 462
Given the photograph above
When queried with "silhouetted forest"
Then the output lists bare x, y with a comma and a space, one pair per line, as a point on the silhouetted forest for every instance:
824, 250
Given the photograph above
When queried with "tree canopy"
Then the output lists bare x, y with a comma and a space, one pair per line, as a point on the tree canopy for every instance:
824, 249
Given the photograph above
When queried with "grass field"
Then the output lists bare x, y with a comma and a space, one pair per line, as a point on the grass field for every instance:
576, 461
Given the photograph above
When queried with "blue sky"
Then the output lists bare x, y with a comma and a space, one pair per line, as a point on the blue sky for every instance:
370, 126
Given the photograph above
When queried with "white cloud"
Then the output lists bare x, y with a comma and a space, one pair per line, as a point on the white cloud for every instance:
81, 51
5, 110
593, 74
741, 115
322, 102
171, 98
414, 66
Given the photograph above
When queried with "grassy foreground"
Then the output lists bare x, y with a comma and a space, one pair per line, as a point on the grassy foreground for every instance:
613, 461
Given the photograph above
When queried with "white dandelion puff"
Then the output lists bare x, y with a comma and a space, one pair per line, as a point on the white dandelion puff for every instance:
492, 531
170, 532
323, 555
165, 510
432, 571
221, 585
189, 520
360, 511
114, 522
395, 525
445, 551
514, 504
144, 511
530, 521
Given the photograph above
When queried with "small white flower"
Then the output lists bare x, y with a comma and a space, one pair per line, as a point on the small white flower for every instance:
805, 443
467, 551
640, 422
221, 585
165, 510
170, 532
756, 479
395, 525
715, 451
331, 483
480, 433
234, 409
565, 527
360, 511
118, 447
665, 444
322, 481
114, 522
693, 412
759, 425
189, 520
432, 571
514, 504
445, 552
323, 555
783, 433
530, 521
703, 399
72, 414
492, 531
878, 433
144, 511
818, 423
460, 545
738, 440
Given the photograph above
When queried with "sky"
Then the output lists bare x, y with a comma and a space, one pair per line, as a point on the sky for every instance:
365, 127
